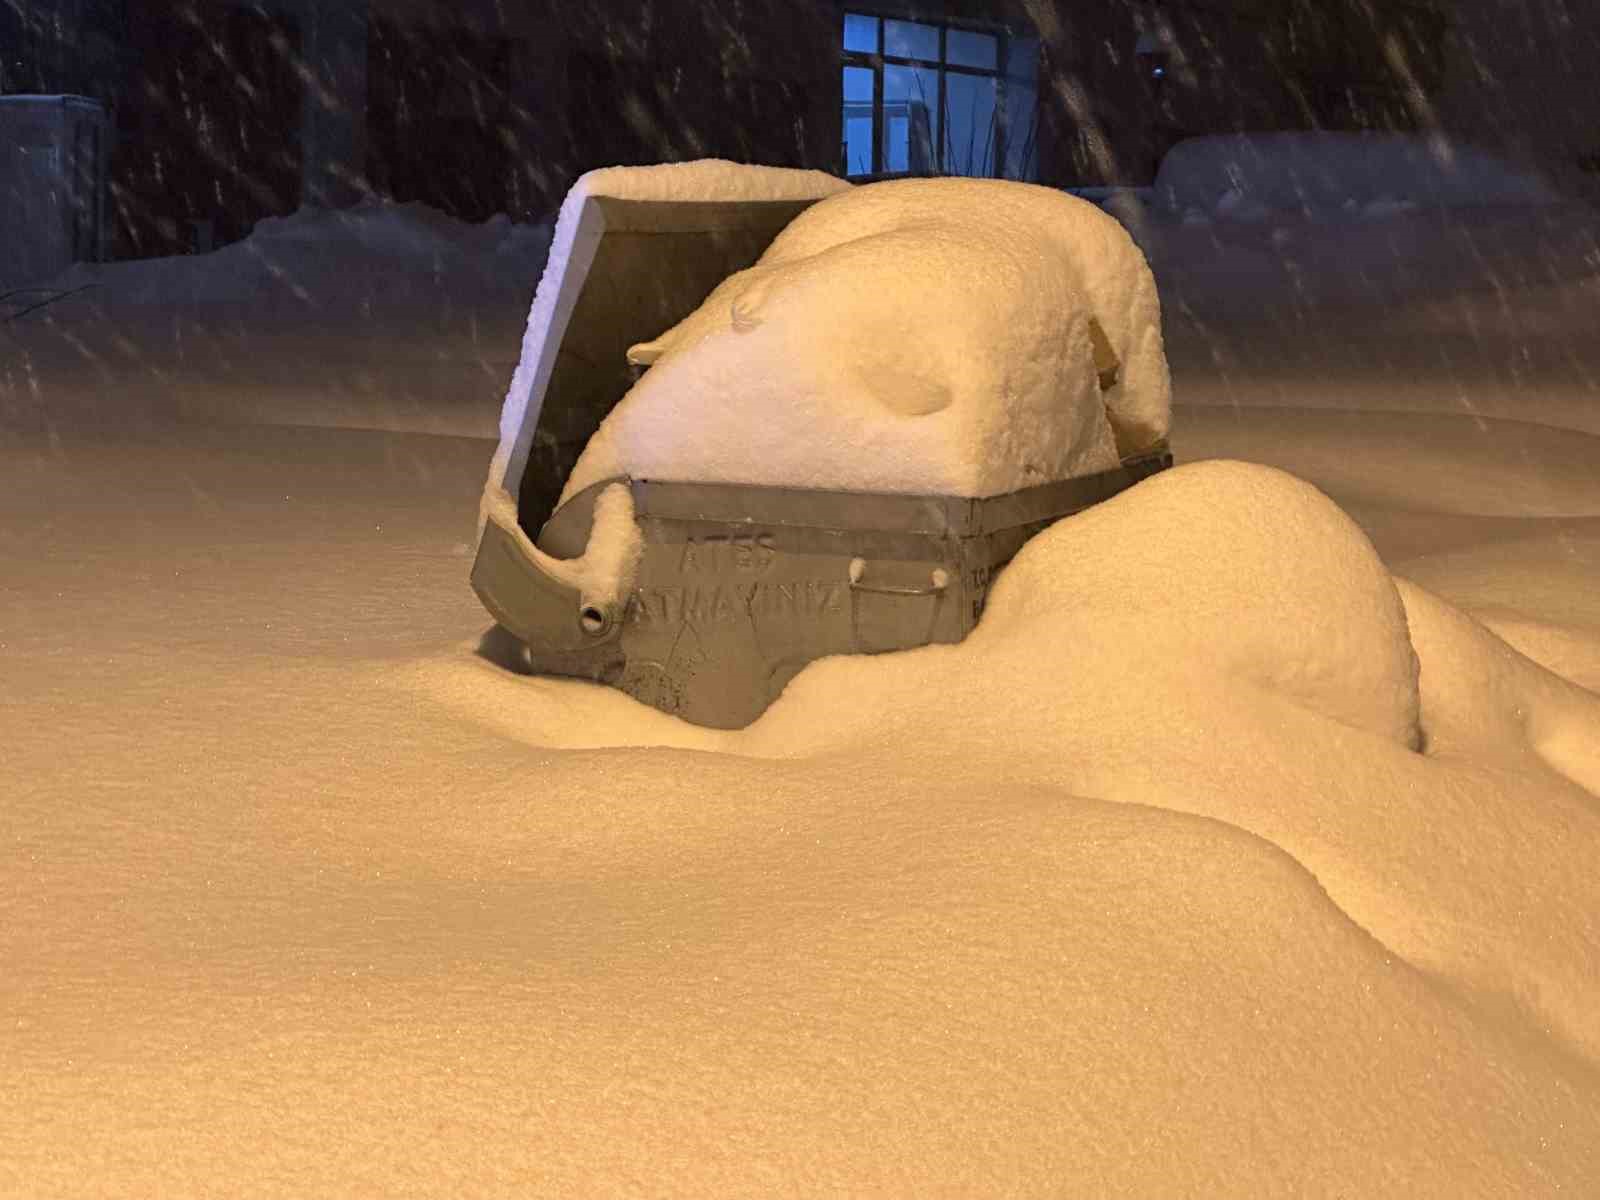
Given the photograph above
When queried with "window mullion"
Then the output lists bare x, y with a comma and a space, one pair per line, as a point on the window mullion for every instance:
879, 126
877, 117
1001, 112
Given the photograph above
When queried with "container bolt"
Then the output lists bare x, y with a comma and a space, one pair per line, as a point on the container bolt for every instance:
593, 619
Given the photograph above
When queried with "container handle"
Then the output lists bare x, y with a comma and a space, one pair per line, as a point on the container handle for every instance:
939, 580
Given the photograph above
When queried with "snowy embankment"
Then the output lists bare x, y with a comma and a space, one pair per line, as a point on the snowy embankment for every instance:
381, 316
1230, 854
1338, 271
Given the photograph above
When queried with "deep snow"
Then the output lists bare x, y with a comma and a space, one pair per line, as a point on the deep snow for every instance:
1236, 851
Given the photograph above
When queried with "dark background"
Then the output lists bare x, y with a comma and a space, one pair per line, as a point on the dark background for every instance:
227, 111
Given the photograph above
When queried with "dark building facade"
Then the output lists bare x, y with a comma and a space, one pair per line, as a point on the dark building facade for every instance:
228, 111
54, 46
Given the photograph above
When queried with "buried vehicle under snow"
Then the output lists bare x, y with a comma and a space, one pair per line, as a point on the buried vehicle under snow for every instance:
865, 401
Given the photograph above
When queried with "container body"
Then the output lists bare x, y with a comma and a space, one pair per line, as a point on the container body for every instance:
739, 587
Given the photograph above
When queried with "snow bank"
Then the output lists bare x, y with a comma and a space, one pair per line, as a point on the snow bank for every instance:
1373, 261
382, 316
335, 260
1488, 702
1220, 571
1254, 176
1223, 641
912, 336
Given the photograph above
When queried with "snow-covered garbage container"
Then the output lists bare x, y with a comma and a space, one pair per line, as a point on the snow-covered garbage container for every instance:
52, 185
865, 400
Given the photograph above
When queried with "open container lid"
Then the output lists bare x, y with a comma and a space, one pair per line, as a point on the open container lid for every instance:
636, 249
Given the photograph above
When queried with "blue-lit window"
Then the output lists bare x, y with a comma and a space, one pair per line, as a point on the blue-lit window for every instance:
926, 99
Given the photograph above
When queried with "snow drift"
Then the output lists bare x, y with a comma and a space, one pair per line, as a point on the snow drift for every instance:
1141, 888
1254, 176
373, 261
379, 316
1222, 640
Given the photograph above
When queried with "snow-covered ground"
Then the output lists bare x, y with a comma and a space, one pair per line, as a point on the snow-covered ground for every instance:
1180, 876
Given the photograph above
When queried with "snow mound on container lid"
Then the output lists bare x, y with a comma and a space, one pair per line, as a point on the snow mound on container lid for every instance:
703, 179
923, 336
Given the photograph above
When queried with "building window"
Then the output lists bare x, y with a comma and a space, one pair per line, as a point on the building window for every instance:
925, 99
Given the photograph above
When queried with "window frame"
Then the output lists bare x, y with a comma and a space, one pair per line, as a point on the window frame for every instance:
876, 61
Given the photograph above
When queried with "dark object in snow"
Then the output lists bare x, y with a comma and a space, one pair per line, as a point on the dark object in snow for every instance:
741, 586
738, 586
52, 185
